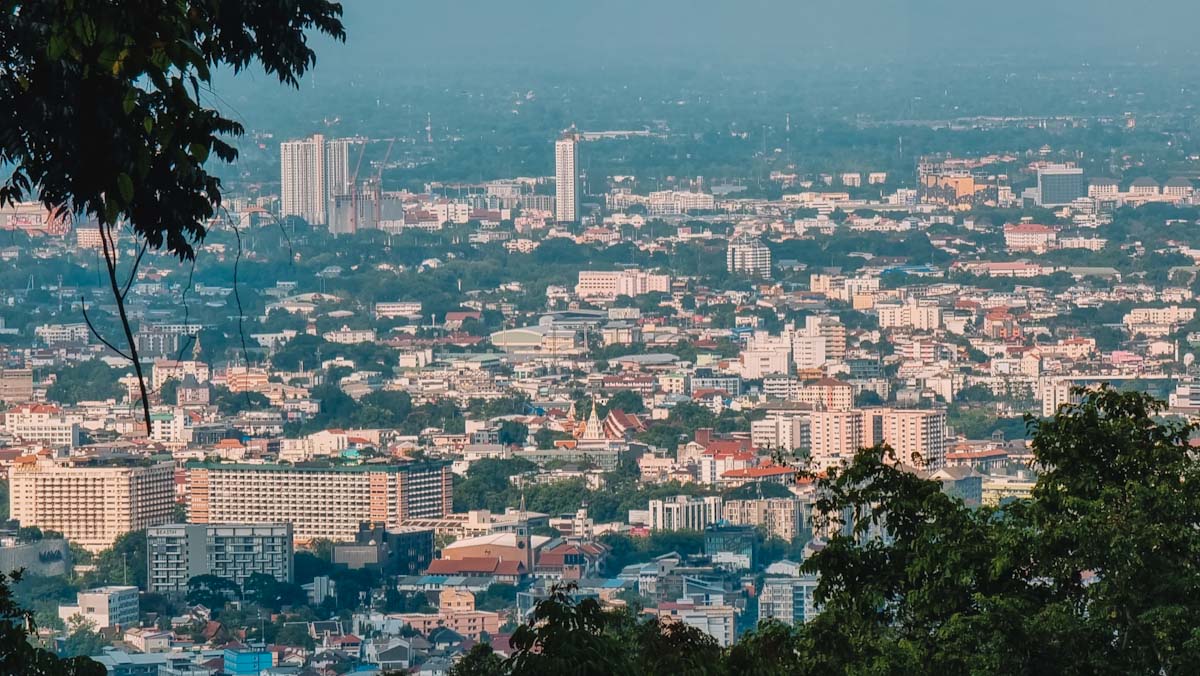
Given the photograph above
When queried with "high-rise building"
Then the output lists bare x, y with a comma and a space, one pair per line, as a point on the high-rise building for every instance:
788, 599
684, 513
783, 518
1059, 184
176, 553
91, 505
566, 178
319, 502
917, 436
749, 256
312, 172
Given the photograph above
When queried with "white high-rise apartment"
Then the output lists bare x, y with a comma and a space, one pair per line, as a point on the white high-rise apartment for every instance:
312, 172
748, 255
684, 513
566, 178
91, 505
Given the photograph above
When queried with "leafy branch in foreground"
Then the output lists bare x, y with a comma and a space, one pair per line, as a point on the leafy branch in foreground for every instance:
1098, 572
105, 114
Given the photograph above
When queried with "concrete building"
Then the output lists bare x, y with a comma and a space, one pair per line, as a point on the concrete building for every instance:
1059, 184
312, 172
175, 553
91, 505
749, 256
788, 599
566, 178
42, 423
913, 314
104, 607
836, 436
16, 385
912, 433
319, 502
781, 517
684, 513
607, 285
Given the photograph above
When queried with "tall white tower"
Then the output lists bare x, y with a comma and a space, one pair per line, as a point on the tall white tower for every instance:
566, 178
312, 171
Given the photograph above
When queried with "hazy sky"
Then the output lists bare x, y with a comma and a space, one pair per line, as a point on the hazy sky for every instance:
704, 32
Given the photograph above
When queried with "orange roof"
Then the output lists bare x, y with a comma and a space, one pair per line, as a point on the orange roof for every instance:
756, 472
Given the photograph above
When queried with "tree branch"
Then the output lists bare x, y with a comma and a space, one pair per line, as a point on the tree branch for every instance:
110, 261
133, 271
96, 333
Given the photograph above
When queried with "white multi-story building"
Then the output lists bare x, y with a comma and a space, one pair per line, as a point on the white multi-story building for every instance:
788, 599
566, 178
312, 172
607, 285
399, 308
684, 513
749, 256
54, 334
916, 315
91, 505
42, 423
103, 607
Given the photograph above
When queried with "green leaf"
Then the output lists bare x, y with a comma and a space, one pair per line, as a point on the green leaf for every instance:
125, 187
129, 102
199, 152
148, 123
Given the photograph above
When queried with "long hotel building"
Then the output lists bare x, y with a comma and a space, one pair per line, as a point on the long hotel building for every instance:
91, 505
319, 502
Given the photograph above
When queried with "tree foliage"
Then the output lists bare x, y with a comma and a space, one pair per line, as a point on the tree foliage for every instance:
105, 115
1096, 573
18, 655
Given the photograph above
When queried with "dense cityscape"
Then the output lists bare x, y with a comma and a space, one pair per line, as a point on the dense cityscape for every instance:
448, 356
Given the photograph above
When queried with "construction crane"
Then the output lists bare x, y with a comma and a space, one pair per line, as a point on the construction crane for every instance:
379, 183
362, 148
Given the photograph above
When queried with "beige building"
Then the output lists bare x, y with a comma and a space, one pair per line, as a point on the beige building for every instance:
16, 385
913, 314
782, 517
910, 432
319, 502
836, 436
90, 505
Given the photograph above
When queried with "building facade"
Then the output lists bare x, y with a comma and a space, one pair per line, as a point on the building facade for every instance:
566, 178
319, 502
684, 513
91, 505
175, 553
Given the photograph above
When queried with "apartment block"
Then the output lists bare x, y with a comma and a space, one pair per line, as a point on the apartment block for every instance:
319, 501
788, 599
90, 505
781, 517
42, 423
104, 607
918, 436
175, 553
684, 513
